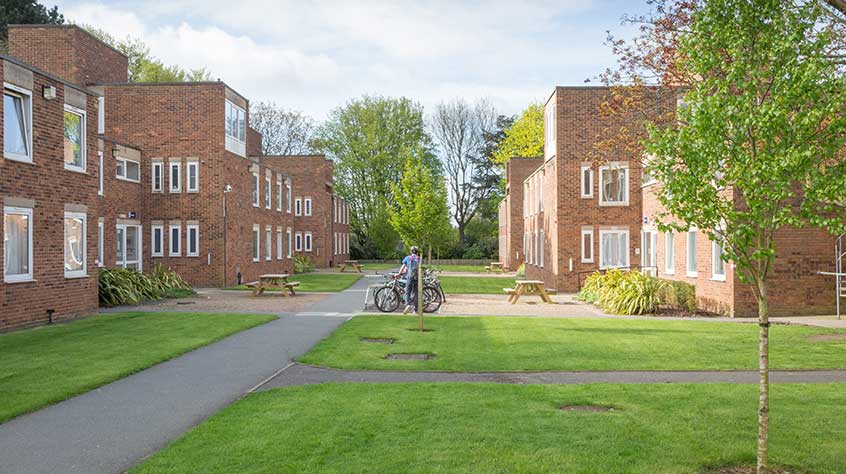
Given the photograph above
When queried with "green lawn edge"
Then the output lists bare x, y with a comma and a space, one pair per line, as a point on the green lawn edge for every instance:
315, 282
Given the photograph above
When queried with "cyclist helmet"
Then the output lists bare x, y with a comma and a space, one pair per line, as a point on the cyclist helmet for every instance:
415, 250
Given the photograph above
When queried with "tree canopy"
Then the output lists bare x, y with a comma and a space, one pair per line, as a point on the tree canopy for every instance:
524, 138
284, 132
25, 12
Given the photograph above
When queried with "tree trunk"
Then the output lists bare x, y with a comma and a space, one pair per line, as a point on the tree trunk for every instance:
764, 373
461, 236
430, 256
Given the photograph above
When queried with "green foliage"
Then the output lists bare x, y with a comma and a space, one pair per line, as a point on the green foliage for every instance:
521, 270
303, 264
678, 294
421, 215
124, 286
524, 138
25, 12
621, 292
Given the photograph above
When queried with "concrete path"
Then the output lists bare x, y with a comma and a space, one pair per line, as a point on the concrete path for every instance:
298, 374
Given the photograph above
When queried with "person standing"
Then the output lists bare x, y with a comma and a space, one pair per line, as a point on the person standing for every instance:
410, 267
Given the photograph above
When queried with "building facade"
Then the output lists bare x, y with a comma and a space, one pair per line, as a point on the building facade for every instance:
511, 235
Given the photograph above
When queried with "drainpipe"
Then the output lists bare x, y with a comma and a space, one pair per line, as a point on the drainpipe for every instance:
226, 190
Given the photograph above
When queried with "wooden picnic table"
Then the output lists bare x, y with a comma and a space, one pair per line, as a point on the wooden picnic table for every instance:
350, 263
527, 287
274, 281
497, 267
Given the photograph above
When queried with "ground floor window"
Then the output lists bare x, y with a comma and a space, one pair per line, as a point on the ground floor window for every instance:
256, 238
691, 253
307, 241
298, 240
669, 253
157, 239
17, 244
587, 245
175, 240
100, 235
278, 243
128, 238
613, 248
268, 245
74, 246
193, 234
541, 248
718, 265
649, 239
288, 231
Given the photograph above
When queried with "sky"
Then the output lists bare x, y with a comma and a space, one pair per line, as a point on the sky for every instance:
316, 56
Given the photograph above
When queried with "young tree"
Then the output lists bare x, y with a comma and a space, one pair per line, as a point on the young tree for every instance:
524, 138
758, 144
25, 12
284, 132
459, 130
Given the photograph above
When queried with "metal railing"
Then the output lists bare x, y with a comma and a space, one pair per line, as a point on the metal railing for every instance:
838, 274
629, 268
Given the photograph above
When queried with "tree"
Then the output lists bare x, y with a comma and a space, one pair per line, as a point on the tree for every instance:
369, 139
524, 138
284, 132
459, 129
758, 144
144, 67
421, 214
25, 12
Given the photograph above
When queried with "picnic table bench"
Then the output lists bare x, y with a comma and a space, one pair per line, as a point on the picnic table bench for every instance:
351, 263
274, 281
527, 287
495, 267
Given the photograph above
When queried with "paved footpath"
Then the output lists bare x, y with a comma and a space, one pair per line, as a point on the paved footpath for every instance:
110, 429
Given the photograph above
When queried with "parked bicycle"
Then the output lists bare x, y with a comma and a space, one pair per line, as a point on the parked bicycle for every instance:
391, 295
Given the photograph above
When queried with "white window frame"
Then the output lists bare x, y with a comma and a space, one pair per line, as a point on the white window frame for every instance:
337, 247
178, 185
237, 108
585, 258
716, 260
628, 248
691, 271
298, 242
649, 253
288, 195
298, 206
171, 241
307, 206
307, 241
256, 190
290, 237
125, 177
82, 272
669, 253
101, 231
26, 101
188, 229
101, 115
582, 181
83, 139
160, 187
279, 243
279, 195
268, 188
122, 262
626, 191
99, 173
256, 242
196, 166
268, 243
24, 276
160, 229
549, 128
541, 249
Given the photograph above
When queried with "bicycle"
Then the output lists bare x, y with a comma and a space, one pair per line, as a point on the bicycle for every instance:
389, 297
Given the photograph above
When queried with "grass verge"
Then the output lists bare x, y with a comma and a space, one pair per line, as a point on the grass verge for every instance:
475, 285
51, 363
317, 282
486, 428
497, 344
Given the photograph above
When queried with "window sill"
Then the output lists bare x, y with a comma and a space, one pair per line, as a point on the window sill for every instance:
669, 273
193, 191
137, 181
175, 191
721, 278
587, 197
613, 204
161, 255
22, 280
256, 260
74, 276
587, 261
18, 158
75, 169
193, 256
174, 255
692, 274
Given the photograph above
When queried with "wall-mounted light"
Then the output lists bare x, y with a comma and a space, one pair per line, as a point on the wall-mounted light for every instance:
49, 92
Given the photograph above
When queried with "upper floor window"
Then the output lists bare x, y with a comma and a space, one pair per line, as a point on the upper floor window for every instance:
127, 170
307, 206
74, 139
157, 176
267, 188
587, 181
176, 177
298, 207
255, 190
279, 195
288, 195
236, 122
614, 185
193, 170
100, 173
17, 123
101, 115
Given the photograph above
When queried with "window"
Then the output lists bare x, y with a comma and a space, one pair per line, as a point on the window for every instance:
336, 215
127, 170
298, 207
308, 206
649, 239
268, 243
129, 246
74, 244
346, 213
157, 176
613, 185
193, 170
236, 122
298, 241
100, 234
278, 243
74, 139
17, 124
256, 243
193, 234
101, 115
691, 253
587, 181
288, 231
669, 253
718, 265
279, 195
288, 195
613, 249
17, 244
587, 245
267, 188
175, 240
175, 177
256, 190
308, 241
157, 239
541, 248
337, 247
100, 173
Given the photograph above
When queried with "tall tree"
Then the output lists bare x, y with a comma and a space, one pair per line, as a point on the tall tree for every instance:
284, 132
25, 12
368, 139
524, 138
758, 145
459, 131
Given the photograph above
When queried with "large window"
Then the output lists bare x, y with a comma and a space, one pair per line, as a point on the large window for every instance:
193, 171
587, 245
236, 122
669, 253
157, 176
256, 243
17, 123
587, 181
613, 185
74, 139
718, 266
129, 246
268, 243
17, 244
74, 244
613, 248
307, 203
175, 240
157, 241
127, 170
176, 177
691, 253
193, 234
267, 190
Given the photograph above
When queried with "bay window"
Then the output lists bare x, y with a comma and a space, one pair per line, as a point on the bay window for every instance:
235, 125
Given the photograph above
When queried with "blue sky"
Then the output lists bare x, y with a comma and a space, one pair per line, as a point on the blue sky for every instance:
314, 56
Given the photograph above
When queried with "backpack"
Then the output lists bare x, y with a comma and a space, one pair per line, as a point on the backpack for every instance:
413, 265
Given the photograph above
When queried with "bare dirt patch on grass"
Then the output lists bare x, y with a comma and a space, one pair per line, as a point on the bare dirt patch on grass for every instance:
410, 356
588, 408
827, 337
752, 470
378, 340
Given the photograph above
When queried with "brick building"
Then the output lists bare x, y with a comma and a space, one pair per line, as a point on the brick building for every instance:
511, 235
168, 174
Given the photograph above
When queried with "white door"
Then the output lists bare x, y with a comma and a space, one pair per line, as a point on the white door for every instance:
129, 246
648, 259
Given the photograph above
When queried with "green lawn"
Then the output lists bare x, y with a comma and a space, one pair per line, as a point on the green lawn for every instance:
443, 268
470, 344
475, 285
486, 428
51, 363
318, 282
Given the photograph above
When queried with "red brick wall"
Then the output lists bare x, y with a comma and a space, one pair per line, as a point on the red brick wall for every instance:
68, 52
51, 187
517, 169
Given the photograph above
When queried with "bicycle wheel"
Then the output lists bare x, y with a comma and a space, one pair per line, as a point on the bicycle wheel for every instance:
431, 299
386, 299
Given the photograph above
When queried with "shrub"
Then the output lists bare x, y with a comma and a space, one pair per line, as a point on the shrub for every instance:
303, 265
621, 292
124, 286
678, 294
521, 270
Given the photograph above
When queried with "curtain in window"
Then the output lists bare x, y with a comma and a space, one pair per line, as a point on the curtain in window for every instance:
615, 248
16, 244
74, 238
14, 127
614, 185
